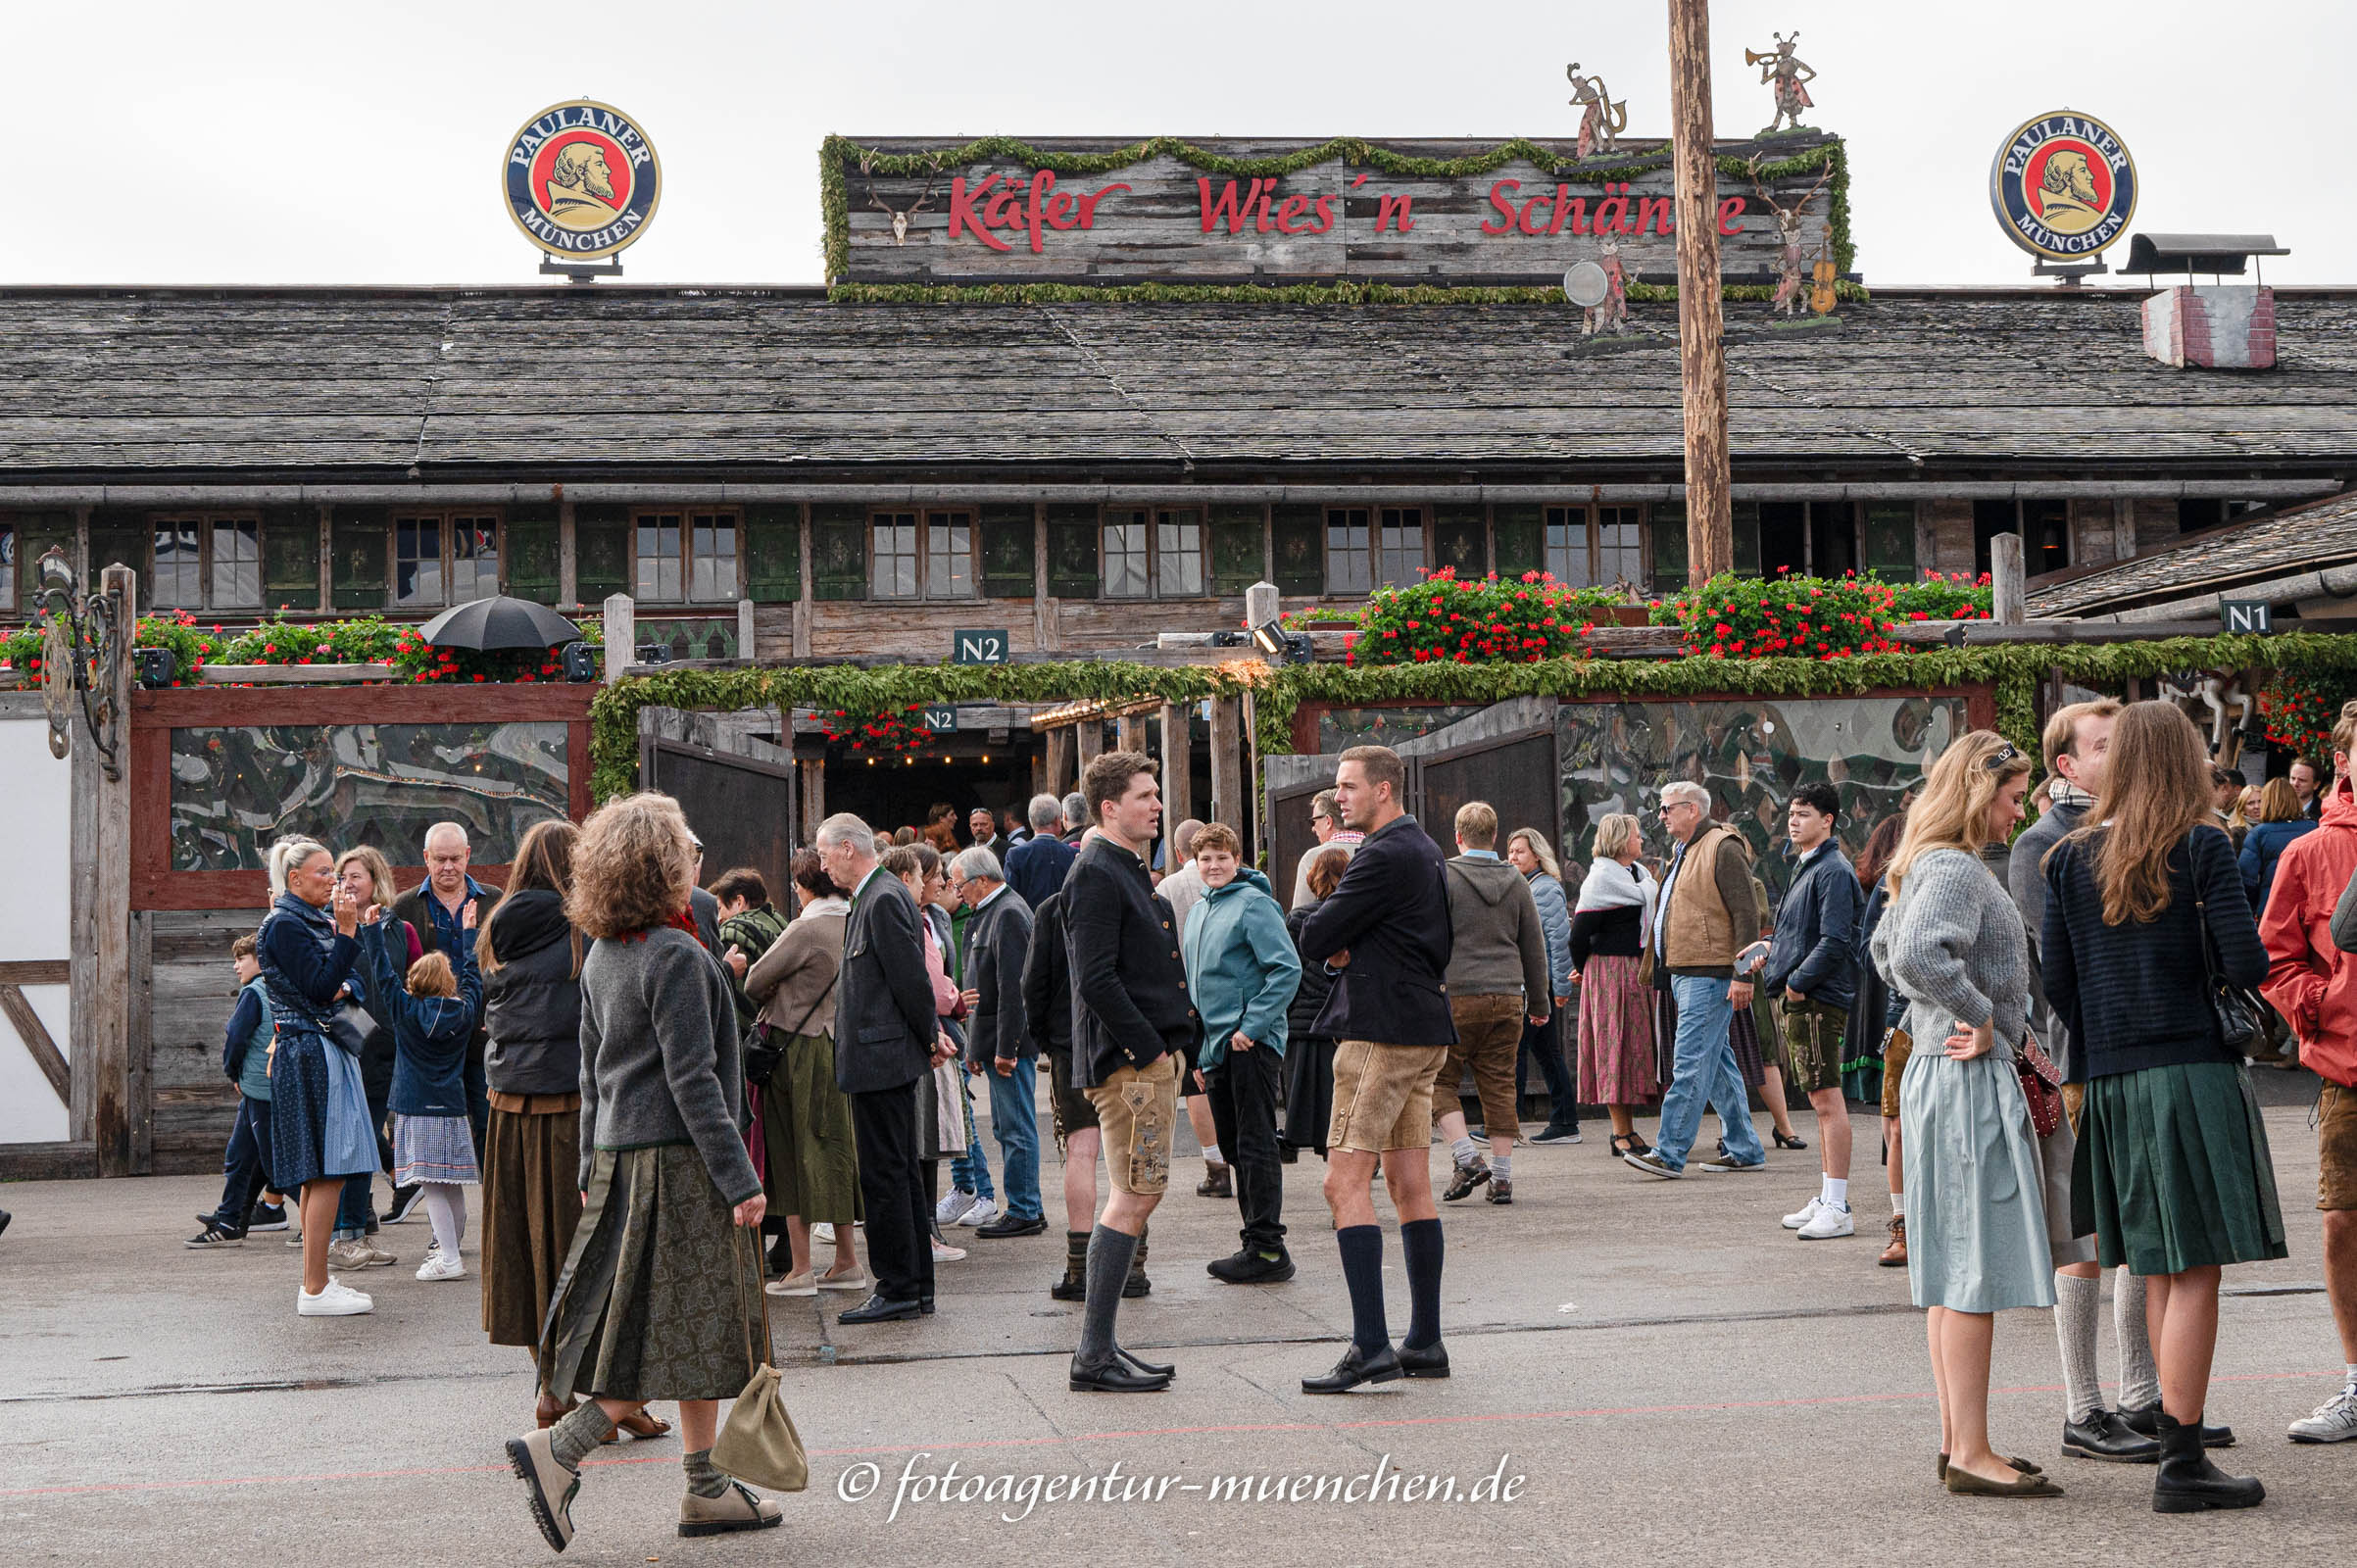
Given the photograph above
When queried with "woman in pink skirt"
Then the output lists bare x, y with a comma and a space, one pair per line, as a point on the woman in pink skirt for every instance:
1608, 931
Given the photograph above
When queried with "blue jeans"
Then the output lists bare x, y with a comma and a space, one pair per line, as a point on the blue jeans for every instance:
1704, 1071
246, 1166
356, 1207
1015, 1120
969, 1172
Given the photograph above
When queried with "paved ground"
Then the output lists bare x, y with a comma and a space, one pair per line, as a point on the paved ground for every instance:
1654, 1371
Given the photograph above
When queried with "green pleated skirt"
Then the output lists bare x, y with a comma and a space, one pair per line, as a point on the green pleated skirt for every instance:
2174, 1170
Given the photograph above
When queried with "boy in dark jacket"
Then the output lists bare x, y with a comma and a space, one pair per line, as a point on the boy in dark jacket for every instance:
432, 1011
1811, 965
245, 1058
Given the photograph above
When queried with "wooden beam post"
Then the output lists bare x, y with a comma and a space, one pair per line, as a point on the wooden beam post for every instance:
1091, 734
808, 600
568, 560
1129, 733
745, 633
1059, 762
621, 624
811, 778
2007, 604
1702, 345
1178, 762
100, 915
1227, 761
1260, 604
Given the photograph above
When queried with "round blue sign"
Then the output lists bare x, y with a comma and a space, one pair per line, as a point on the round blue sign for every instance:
581, 179
2063, 187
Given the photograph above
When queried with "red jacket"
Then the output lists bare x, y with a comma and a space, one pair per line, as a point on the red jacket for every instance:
2309, 980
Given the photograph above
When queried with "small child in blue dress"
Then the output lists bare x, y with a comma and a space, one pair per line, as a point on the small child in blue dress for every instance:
432, 1012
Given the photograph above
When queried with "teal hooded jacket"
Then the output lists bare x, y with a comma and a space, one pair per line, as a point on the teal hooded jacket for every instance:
1241, 966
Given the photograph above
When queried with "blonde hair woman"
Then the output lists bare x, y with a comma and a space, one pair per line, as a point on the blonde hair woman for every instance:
660, 1298
366, 877
1954, 945
1609, 933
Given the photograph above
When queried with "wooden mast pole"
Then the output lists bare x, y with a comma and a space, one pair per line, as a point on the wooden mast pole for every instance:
1701, 347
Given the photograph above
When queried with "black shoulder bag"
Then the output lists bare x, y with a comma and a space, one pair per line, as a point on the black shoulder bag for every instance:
2237, 1020
761, 1059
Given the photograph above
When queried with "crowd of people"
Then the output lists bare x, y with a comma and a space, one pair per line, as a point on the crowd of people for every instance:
647, 1074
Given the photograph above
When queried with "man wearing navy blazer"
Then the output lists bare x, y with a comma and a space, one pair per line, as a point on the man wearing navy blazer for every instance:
1384, 933
886, 1038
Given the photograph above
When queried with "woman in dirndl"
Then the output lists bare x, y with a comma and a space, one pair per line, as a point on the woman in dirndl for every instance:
1609, 928
320, 1128
2144, 928
660, 1298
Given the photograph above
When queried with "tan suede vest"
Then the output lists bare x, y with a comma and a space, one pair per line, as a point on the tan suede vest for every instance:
1698, 932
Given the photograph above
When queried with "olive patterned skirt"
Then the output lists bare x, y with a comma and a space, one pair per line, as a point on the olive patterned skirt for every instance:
662, 1297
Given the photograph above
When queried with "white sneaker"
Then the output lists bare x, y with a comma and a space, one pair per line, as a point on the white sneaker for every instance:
944, 1252
982, 1213
441, 1266
823, 1233
951, 1209
1807, 1212
1830, 1220
338, 1300
2334, 1421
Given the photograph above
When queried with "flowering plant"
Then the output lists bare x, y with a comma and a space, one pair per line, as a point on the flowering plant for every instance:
1783, 618
1958, 597
363, 640
1492, 620
2300, 710
886, 731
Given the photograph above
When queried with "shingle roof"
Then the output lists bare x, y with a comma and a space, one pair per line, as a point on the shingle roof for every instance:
96, 382
2278, 544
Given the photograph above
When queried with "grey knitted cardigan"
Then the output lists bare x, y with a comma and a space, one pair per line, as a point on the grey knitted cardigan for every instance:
660, 1062
1953, 944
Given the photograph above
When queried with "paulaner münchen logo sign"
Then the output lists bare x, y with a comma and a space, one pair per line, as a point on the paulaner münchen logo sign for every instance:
581, 179
2063, 187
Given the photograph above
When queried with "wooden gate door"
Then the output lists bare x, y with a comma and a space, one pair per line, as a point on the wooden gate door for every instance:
1289, 783
735, 781
1504, 755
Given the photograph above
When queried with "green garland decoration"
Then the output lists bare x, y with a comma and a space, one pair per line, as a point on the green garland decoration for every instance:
2014, 671
836, 153
1343, 292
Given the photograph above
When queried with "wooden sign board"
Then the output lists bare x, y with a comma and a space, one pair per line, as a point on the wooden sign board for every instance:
940, 720
2252, 615
948, 213
978, 647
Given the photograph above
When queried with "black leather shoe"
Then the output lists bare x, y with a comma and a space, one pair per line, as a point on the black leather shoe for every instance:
1114, 1376
1251, 1267
1357, 1367
2108, 1437
1432, 1361
1152, 1369
1069, 1288
1467, 1178
2146, 1419
2187, 1483
1007, 1225
876, 1309
924, 1306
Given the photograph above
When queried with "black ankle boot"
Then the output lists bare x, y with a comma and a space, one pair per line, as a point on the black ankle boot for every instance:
1074, 1286
2189, 1483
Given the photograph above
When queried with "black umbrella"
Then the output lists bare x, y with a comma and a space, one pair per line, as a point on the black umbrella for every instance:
499, 623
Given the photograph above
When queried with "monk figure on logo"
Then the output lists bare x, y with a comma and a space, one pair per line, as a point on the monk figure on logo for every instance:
580, 188
2067, 201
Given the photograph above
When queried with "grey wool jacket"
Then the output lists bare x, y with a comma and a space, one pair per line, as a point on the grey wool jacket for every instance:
660, 1062
1499, 946
1954, 945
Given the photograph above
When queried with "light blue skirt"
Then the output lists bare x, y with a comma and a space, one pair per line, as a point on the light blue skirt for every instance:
433, 1149
1976, 1197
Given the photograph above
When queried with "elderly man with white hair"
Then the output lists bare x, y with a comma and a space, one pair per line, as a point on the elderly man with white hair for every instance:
433, 910
998, 1037
1036, 867
1707, 917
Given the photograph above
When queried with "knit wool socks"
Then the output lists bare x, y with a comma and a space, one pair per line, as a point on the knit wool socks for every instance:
1420, 1240
578, 1434
1363, 1270
1109, 1255
704, 1478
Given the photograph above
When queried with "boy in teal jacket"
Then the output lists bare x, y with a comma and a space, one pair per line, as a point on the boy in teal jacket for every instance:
1242, 971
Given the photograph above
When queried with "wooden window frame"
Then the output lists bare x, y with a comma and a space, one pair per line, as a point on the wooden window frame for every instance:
1153, 520
206, 522
1591, 514
442, 517
686, 518
925, 520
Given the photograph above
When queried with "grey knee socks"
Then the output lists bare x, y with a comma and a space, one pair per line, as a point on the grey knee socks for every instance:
704, 1478
2139, 1378
2077, 1303
1109, 1255
578, 1434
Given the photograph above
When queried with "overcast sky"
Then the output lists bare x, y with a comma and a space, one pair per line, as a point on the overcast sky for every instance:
237, 142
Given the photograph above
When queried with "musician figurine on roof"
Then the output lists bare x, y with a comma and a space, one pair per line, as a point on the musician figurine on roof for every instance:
1791, 246
1612, 314
1788, 71
1601, 121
